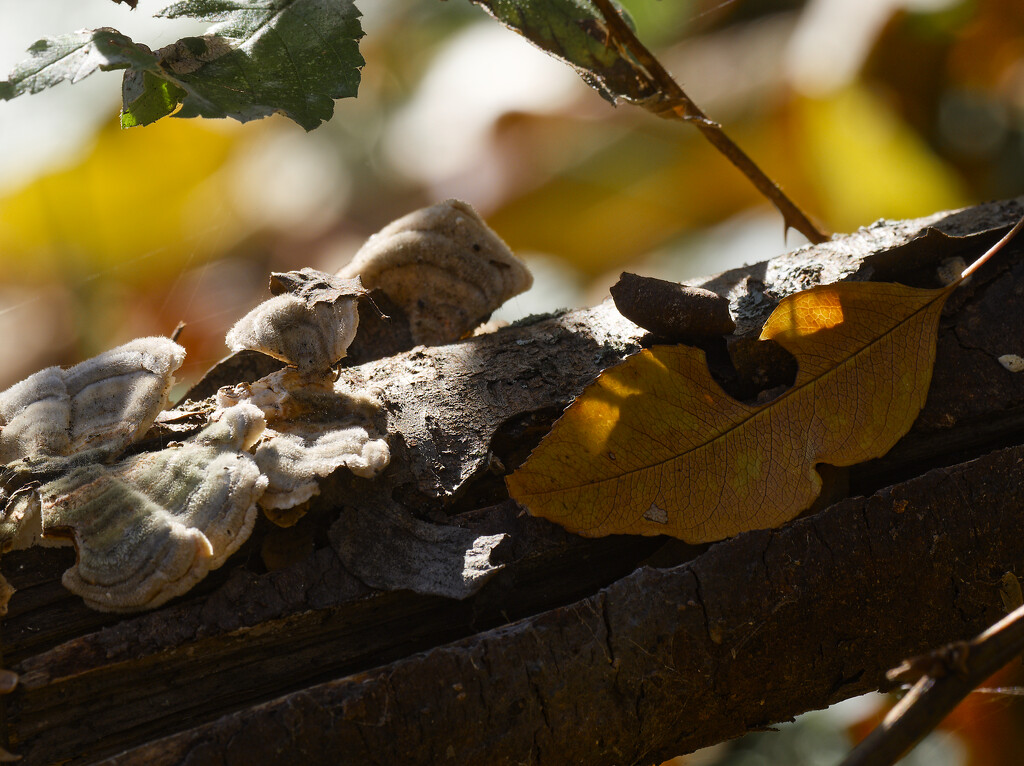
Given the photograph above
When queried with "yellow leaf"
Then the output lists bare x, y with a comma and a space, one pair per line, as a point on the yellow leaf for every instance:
655, 446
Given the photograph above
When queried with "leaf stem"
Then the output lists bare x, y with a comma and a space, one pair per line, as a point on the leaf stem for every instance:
991, 251
675, 104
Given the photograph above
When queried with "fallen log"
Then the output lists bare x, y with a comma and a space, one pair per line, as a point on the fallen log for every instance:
619, 650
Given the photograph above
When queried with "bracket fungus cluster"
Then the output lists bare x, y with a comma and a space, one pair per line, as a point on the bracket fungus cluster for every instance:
57, 419
150, 525
58, 423
103, 403
313, 429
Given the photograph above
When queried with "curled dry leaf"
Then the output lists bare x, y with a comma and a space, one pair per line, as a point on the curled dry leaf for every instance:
313, 429
310, 322
102, 403
150, 527
671, 310
444, 267
314, 286
386, 547
654, 446
192, 53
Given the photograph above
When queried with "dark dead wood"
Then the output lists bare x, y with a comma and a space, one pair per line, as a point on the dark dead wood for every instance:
209, 667
754, 631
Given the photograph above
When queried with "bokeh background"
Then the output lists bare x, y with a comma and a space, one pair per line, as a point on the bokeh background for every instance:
861, 110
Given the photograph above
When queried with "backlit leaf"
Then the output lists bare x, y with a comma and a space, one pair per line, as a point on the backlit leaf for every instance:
654, 446
573, 31
71, 58
292, 57
289, 56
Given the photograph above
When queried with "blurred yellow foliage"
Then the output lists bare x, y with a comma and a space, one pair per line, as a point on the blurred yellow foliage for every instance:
865, 163
657, 182
143, 229
846, 158
141, 202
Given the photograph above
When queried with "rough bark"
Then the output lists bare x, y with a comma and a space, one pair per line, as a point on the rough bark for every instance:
754, 631
622, 650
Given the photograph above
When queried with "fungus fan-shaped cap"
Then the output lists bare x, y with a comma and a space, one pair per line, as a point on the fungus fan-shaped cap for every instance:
105, 402
294, 460
310, 323
152, 526
444, 266
313, 429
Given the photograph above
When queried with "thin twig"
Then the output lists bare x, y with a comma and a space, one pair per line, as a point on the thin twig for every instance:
676, 104
176, 333
947, 676
992, 250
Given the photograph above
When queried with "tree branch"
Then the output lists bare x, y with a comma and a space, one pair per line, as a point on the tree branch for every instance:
618, 650
952, 673
754, 631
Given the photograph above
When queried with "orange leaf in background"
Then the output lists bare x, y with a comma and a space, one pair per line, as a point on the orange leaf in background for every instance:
655, 446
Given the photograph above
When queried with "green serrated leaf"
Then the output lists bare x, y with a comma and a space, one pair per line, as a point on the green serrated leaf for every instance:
292, 57
573, 31
146, 98
289, 56
72, 58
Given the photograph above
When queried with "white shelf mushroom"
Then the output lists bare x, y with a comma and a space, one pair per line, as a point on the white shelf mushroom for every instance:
313, 429
309, 323
102, 403
444, 267
150, 527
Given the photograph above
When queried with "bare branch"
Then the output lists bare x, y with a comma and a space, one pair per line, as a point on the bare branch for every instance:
949, 674
675, 104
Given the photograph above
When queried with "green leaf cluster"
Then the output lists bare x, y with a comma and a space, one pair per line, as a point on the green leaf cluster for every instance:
292, 57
